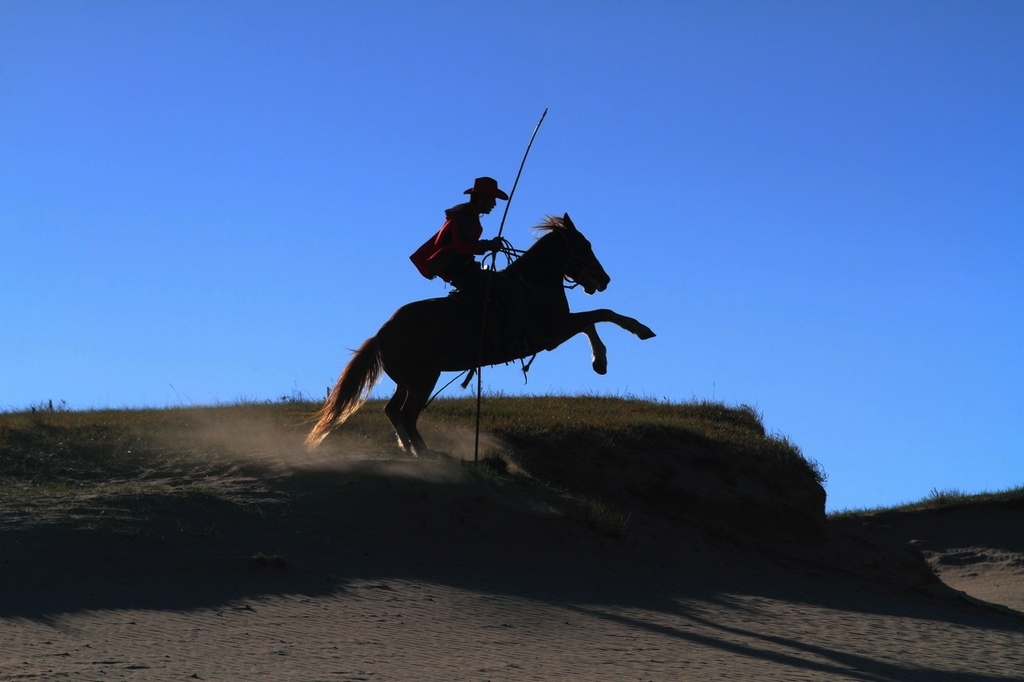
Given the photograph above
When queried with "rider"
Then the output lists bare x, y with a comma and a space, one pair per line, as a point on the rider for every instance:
449, 255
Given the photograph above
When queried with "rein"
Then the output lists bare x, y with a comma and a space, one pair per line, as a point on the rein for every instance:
513, 254
573, 257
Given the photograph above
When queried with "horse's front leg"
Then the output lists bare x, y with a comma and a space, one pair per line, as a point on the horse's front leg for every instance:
576, 323
598, 351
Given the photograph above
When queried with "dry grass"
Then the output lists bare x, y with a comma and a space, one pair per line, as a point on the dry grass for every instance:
590, 422
161, 471
943, 499
129, 470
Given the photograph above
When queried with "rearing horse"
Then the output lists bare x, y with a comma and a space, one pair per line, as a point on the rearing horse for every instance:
424, 338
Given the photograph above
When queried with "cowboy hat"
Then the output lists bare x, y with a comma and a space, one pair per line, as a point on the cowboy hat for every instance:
487, 187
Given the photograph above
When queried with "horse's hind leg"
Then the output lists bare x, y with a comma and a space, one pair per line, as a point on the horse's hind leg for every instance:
393, 411
417, 397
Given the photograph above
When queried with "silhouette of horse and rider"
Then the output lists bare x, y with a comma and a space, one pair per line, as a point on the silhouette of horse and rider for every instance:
460, 332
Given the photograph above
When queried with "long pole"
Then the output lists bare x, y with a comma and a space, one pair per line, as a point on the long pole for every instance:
487, 291
522, 163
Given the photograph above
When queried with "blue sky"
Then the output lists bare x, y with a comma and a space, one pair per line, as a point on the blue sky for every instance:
817, 206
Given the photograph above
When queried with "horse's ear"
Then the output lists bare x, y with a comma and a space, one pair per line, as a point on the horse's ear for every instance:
567, 221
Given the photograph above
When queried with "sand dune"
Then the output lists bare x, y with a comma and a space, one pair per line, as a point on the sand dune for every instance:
977, 548
425, 570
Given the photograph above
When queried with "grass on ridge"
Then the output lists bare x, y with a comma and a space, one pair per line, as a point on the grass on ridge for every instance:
131, 469
941, 499
602, 421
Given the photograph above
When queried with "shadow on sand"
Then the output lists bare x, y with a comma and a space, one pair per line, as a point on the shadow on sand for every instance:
317, 531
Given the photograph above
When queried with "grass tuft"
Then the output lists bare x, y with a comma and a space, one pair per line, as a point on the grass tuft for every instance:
942, 499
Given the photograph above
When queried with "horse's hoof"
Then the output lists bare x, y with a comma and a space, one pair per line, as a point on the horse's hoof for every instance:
600, 366
645, 333
423, 452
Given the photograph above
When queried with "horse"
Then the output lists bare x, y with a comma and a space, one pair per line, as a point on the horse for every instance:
424, 338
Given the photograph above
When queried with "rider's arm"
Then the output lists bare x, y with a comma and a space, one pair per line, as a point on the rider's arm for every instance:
485, 245
466, 235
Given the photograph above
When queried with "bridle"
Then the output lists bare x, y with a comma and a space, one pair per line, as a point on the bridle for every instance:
572, 260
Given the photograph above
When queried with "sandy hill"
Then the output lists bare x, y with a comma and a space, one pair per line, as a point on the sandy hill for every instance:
598, 539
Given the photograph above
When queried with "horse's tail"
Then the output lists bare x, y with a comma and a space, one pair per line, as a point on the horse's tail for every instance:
353, 388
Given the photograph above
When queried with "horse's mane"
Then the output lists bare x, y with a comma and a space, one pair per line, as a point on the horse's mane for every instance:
550, 223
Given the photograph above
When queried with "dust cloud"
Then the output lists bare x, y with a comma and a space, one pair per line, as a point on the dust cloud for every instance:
280, 449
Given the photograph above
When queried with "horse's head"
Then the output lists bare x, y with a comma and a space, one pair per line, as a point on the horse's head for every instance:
583, 266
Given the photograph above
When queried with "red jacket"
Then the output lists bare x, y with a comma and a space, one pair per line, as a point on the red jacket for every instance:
453, 246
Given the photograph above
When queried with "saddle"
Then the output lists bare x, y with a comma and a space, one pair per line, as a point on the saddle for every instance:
472, 301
